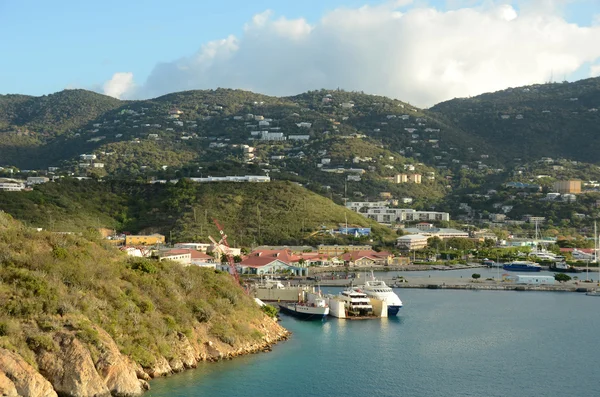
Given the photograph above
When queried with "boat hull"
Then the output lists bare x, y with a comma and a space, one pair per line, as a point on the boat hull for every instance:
522, 268
570, 270
307, 316
393, 310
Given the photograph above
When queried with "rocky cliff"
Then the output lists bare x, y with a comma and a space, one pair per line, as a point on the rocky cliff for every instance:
73, 368
78, 318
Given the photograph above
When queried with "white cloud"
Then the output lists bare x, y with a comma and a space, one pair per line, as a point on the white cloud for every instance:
119, 85
595, 70
421, 54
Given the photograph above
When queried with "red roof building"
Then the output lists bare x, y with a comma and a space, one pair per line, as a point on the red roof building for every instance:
367, 258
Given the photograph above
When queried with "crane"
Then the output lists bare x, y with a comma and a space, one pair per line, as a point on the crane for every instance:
219, 246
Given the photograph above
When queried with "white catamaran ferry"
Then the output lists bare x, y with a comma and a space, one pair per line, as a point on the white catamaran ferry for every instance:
378, 289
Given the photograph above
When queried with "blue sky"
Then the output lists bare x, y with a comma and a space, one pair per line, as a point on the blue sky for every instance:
50, 45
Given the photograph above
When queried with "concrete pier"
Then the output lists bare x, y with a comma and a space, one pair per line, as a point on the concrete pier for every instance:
466, 283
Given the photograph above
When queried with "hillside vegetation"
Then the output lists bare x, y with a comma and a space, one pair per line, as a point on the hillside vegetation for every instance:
56, 288
553, 120
275, 213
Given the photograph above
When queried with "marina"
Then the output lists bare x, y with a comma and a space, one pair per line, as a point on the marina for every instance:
443, 343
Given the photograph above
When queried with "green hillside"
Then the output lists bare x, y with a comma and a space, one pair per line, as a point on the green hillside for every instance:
340, 144
547, 120
273, 213
64, 296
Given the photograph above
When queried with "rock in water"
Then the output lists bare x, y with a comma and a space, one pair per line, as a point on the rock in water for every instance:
24, 378
71, 369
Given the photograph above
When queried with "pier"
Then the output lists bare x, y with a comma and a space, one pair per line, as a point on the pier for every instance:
468, 284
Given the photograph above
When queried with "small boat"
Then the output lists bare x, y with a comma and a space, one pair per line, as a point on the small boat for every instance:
522, 266
593, 293
563, 267
315, 310
378, 289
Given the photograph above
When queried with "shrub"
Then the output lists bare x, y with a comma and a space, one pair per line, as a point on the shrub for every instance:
271, 311
202, 311
476, 276
89, 335
561, 277
143, 265
60, 253
41, 342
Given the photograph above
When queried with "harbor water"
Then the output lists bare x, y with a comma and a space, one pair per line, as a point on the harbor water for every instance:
443, 343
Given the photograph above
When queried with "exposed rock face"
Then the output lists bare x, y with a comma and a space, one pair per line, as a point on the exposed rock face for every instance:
71, 369
160, 368
25, 379
117, 370
7, 387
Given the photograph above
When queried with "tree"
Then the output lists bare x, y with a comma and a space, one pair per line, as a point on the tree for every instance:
561, 277
476, 276
435, 242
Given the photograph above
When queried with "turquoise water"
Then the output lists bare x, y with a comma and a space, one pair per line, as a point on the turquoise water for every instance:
444, 343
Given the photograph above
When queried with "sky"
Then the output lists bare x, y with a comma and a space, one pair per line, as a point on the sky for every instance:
419, 51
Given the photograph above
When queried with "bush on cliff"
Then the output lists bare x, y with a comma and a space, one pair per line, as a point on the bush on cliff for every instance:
51, 282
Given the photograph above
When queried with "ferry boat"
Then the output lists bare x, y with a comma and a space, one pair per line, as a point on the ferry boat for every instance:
522, 266
315, 310
356, 303
563, 267
379, 290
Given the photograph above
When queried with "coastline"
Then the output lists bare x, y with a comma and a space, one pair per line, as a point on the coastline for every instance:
82, 370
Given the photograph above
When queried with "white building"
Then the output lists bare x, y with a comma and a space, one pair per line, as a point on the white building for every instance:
37, 180
247, 178
412, 242
87, 156
400, 215
299, 137
11, 185
272, 136
362, 206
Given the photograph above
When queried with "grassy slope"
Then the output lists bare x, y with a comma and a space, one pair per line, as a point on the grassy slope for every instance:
50, 282
186, 210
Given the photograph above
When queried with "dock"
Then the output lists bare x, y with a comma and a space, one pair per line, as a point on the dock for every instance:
469, 284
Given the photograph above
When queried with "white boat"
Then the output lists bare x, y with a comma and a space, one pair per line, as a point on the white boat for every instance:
269, 282
378, 289
317, 309
593, 293
356, 303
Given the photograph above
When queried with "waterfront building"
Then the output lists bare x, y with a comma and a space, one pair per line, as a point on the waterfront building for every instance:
338, 250
441, 232
367, 258
412, 242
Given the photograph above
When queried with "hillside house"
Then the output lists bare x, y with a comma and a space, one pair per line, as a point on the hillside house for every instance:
299, 137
